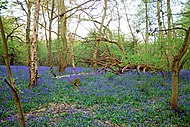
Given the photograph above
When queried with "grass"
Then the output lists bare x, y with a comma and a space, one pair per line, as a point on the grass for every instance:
102, 100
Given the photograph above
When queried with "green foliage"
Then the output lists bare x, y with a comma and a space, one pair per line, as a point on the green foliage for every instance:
42, 53
83, 51
146, 54
16, 47
185, 20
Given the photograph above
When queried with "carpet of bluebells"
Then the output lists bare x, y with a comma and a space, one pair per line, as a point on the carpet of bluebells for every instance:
104, 99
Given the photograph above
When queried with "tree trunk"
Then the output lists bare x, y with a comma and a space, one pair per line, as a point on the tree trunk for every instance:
71, 39
160, 37
175, 77
100, 35
63, 26
159, 18
11, 84
29, 5
33, 64
50, 40
59, 54
48, 37
169, 34
176, 68
147, 19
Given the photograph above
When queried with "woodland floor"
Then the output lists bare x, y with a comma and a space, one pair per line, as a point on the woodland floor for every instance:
105, 100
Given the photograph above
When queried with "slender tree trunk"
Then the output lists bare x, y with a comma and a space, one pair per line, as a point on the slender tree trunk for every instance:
159, 18
176, 68
33, 64
29, 5
147, 20
63, 30
59, 54
45, 26
71, 39
48, 37
160, 37
43, 8
50, 40
134, 43
100, 36
11, 84
169, 34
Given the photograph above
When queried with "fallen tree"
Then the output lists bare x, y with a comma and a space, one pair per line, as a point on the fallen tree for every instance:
112, 64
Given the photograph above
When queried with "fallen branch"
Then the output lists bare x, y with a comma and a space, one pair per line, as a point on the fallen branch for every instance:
70, 75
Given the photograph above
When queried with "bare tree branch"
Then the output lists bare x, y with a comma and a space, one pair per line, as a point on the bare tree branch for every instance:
61, 15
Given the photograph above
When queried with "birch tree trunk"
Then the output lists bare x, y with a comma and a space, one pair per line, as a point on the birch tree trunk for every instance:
33, 60
100, 35
29, 5
11, 84
159, 18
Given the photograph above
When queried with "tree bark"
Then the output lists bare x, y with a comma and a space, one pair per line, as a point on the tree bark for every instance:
159, 18
29, 5
171, 45
11, 84
63, 30
33, 63
176, 68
